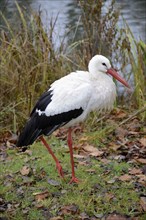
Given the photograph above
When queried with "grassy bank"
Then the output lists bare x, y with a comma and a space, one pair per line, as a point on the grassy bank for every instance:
111, 169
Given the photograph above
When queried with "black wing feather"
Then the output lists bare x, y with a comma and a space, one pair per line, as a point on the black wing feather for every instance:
38, 125
43, 101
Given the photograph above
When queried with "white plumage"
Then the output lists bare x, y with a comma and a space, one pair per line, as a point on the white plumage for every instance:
82, 89
69, 100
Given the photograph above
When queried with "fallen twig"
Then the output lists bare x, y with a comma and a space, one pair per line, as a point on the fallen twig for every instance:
134, 114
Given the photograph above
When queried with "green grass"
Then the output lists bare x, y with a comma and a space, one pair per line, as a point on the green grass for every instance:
92, 195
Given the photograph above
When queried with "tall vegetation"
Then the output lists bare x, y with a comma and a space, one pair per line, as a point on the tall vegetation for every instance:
30, 60
96, 31
137, 58
29, 63
134, 53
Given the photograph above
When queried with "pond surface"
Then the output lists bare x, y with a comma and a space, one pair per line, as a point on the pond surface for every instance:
134, 12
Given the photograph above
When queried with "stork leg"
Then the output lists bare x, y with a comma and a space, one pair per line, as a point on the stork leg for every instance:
69, 141
58, 165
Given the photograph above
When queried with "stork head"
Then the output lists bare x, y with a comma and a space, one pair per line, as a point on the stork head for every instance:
101, 65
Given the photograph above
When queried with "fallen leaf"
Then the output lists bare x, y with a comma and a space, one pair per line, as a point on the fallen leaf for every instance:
27, 181
135, 171
79, 156
97, 153
61, 133
29, 152
83, 163
46, 213
134, 133
9, 206
142, 179
3, 205
99, 215
83, 139
39, 196
141, 160
111, 181
25, 170
143, 203
39, 206
20, 191
84, 216
121, 133
121, 114
116, 217
42, 173
93, 151
8, 144
53, 182
114, 146
63, 191
56, 218
26, 210
109, 196
119, 158
91, 171
69, 209
105, 161
134, 125
144, 169
13, 138
77, 129
143, 141
125, 177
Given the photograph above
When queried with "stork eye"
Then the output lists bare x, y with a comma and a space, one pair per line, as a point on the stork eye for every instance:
104, 64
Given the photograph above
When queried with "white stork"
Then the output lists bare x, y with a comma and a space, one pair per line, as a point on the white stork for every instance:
68, 101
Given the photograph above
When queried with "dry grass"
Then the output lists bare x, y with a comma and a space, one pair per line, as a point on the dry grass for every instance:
30, 61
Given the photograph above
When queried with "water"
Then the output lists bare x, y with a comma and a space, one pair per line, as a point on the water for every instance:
133, 11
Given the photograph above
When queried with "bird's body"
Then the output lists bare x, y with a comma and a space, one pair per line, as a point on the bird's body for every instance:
79, 90
70, 99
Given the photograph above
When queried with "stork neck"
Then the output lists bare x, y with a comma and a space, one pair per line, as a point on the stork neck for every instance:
94, 73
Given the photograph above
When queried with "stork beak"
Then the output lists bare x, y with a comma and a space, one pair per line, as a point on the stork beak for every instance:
113, 73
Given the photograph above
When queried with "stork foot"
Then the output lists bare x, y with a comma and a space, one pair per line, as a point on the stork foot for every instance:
60, 170
74, 180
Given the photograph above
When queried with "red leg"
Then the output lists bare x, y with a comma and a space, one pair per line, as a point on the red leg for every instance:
58, 165
69, 141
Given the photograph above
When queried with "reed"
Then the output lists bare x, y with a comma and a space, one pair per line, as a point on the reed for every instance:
138, 63
135, 54
96, 31
29, 63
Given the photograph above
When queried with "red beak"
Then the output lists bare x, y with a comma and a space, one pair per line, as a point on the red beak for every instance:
113, 73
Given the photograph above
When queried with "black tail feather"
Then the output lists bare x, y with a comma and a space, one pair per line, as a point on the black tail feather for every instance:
29, 134
43, 124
